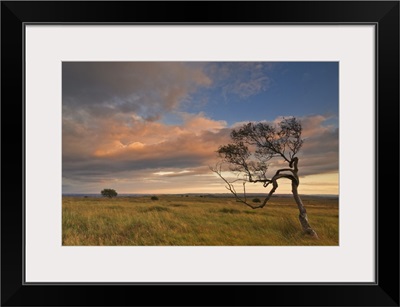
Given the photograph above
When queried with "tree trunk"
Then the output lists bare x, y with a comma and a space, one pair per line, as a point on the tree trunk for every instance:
303, 213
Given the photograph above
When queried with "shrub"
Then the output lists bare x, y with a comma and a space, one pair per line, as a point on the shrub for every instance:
109, 193
256, 200
154, 198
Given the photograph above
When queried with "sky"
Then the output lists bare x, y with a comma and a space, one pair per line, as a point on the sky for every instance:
155, 127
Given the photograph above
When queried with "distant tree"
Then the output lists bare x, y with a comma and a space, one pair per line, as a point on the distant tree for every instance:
154, 198
255, 144
256, 200
109, 193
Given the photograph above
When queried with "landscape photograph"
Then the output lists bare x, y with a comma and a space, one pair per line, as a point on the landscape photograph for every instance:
200, 153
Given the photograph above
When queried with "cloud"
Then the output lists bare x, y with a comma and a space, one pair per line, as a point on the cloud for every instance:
199, 122
154, 153
114, 147
241, 79
144, 88
113, 131
320, 151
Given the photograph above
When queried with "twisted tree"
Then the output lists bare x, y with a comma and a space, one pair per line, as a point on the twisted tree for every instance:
253, 146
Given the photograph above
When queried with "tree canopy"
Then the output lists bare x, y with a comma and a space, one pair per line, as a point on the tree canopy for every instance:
109, 193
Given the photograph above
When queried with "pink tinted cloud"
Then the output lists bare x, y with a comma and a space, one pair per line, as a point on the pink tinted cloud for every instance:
156, 151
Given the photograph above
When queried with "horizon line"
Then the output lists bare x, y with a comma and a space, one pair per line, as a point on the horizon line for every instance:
194, 193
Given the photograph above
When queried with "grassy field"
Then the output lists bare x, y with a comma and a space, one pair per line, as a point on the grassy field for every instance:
194, 220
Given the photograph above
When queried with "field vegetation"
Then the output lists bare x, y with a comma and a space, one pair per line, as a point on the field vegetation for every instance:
191, 220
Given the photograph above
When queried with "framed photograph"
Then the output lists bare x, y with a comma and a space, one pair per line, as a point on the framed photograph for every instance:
241, 146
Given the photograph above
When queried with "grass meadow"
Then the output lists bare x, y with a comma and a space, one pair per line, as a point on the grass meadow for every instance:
193, 220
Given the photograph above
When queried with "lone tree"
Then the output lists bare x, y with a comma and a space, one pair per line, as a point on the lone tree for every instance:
255, 144
109, 193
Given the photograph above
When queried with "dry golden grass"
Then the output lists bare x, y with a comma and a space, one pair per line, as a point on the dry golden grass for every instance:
194, 220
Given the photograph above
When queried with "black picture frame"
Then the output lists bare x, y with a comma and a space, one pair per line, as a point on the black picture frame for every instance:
383, 14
